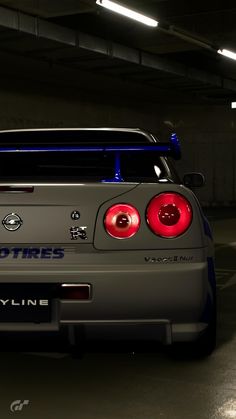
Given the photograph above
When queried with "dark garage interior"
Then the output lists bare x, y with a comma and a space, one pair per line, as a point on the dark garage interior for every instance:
72, 63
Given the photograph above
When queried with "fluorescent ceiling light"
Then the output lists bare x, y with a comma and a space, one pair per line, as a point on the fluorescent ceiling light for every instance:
227, 53
127, 12
233, 105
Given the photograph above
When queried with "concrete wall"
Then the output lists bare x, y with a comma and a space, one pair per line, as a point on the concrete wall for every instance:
207, 133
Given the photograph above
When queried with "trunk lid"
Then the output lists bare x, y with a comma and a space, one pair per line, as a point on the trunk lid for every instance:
45, 213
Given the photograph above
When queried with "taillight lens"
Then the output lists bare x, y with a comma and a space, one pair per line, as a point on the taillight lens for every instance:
122, 221
169, 214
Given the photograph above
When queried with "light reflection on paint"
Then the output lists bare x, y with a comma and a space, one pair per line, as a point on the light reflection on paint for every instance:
157, 171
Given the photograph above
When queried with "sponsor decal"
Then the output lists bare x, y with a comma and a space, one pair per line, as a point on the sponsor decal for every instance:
169, 259
31, 253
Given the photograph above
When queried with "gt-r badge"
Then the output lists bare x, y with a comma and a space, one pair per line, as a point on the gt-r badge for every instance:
12, 222
78, 232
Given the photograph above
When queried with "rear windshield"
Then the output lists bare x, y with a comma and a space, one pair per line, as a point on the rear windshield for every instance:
80, 166
69, 166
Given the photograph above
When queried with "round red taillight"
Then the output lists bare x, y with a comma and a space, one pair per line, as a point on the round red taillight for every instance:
122, 221
169, 214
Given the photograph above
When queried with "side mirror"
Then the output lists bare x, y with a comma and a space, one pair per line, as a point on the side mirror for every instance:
194, 179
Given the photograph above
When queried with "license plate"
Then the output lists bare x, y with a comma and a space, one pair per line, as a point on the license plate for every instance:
25, 303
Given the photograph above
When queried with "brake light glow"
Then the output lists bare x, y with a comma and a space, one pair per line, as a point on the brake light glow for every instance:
169, 214
122, 221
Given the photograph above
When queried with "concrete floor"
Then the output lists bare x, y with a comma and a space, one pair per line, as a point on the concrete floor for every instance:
131, 382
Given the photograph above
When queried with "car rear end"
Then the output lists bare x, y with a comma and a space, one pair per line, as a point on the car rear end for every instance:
128, 258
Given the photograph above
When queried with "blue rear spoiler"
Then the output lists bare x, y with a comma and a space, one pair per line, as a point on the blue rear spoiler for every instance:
165, 149
172, 149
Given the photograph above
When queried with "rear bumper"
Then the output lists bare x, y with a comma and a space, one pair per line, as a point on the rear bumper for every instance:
163, 302
152, 329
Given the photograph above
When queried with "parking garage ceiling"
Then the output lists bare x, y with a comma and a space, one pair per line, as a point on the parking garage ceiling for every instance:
172, 59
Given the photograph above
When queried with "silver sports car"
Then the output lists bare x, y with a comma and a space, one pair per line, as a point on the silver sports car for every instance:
99, 232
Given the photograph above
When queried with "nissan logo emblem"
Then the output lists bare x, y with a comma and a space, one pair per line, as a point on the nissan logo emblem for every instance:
12, 222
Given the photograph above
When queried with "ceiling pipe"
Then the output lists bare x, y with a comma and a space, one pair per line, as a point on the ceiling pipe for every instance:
185, 36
